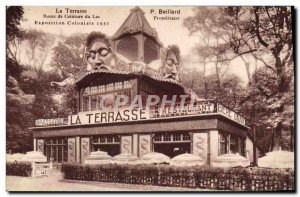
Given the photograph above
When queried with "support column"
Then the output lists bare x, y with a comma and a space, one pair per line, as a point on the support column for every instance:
85, 148
213, 145
34, 144
135, 88
135, 144
78, 149
126, 144
239, 146
140, 39
71, 150
144, 144
228, 144
200, 145
40, 145
78, 100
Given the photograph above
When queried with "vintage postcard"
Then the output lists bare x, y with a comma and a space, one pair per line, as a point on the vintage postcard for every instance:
160, 98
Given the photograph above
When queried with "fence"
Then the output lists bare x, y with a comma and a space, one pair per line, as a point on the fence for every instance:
243, 179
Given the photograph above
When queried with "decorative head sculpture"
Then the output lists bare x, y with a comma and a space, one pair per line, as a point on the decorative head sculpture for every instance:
99, 51
168, 65
171, 63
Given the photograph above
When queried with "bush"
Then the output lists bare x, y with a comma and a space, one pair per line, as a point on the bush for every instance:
206, 177
18, 169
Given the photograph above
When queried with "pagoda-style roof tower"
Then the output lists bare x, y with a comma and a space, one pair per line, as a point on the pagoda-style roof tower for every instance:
136, 39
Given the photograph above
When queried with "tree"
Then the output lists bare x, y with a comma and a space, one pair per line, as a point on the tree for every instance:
13, 17
29, 94
68, 60
265, 34
212, 47
17, 136
231, 88
68, 54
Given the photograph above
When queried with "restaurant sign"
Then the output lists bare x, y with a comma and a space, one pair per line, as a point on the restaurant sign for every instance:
136, 114
221, 109
101, 117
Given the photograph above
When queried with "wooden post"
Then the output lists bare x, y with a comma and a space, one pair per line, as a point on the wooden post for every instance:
254, 145
34, 144
77, 146
254, 135
33, 169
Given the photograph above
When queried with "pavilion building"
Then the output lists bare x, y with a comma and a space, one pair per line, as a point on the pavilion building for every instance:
210, 131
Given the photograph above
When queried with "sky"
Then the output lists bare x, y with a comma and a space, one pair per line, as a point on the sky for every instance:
169, 31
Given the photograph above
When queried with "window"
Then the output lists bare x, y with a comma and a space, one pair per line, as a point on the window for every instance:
223, 144
167, 137
150, 50
177, 137
148, 87
109, 101
106, 139
127, 84
144, 96
243, 146
121, 99
99, 104
117, 139
57, 149
233, 144
229, 143
94, 103
102, 140
86, 90
101, 88
118, 85
94, 89
157, 137
95, 140
172, 137
110, 87
128, 47
85, 103
109, 139
186, 137
128, 94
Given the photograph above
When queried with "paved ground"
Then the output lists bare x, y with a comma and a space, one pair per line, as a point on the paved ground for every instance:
56, 183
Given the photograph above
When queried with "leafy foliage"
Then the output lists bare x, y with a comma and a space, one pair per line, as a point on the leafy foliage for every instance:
264, 35
13, 17
196, 177
68, 54
29, 95
230, 92
18, 169
68, 60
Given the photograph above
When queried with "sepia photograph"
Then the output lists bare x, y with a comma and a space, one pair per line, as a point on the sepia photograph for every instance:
150, 99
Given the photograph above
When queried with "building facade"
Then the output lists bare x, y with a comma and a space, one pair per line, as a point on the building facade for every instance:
202, 127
